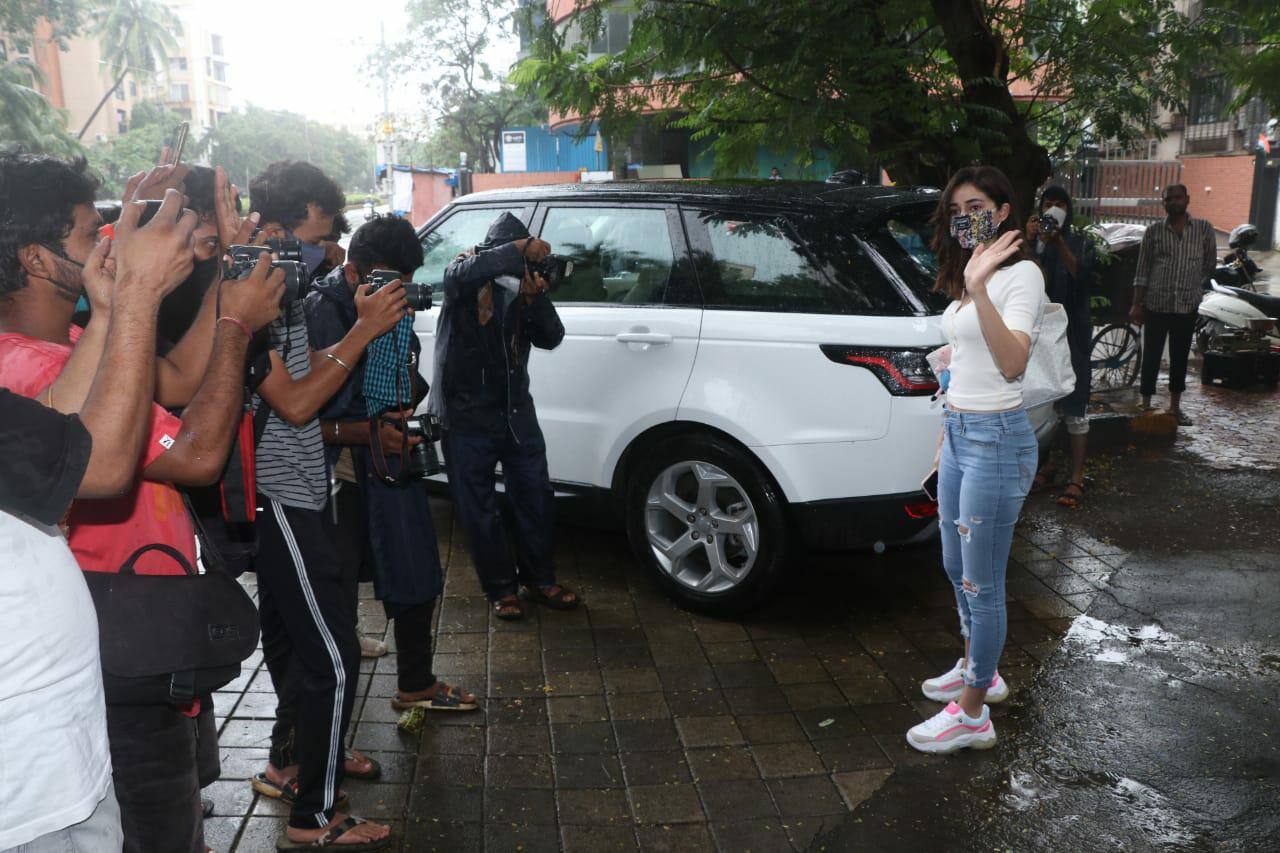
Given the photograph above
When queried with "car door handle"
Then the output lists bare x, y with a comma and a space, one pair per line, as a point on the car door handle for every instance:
656, 338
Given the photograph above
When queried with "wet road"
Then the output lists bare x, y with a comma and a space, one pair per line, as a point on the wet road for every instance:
1155, 724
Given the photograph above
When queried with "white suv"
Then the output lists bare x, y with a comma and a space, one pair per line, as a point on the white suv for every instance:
742, 372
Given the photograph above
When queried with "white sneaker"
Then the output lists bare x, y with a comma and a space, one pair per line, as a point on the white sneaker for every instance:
948, 686
949, 730
371, 648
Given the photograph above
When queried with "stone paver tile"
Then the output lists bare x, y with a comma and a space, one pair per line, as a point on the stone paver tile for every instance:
804, 831
638, 706
260, 833
731, 652
787, 759
660, 804
242, 762
637, 680
797, 670
571, 637
871, 691
805, 697
220, 832
677, 838
854, 753
377, 800
519, 739
246, 733
517, 685
596, 806
700, 677
655, 768
520, 710
888, 717
577, 659
750, 674
736, 800
646, 735
231, 797
708, 731
384, 737
617, 657
807, 796
581, 683
710, 631
721, 763
525, 838
756, 700
697, 703
598, 839
518, 771
519, 805
830, 722
452, 740
577, 709
588, 771
770, 728
857, 786
764, 835
571, 738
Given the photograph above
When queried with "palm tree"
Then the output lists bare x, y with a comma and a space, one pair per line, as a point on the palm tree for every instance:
136, 35
27, 120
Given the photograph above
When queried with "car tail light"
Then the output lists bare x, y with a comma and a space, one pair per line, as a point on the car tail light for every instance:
921, 509
903, 370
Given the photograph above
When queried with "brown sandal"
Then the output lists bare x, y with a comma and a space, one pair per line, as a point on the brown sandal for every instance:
508, 608
1069, 500
555, 596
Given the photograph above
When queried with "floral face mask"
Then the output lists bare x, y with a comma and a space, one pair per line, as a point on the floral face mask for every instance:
970, 229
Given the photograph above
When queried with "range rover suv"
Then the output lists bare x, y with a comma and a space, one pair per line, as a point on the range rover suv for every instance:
742, 374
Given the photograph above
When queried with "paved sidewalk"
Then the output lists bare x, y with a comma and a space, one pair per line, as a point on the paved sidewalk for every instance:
631, 725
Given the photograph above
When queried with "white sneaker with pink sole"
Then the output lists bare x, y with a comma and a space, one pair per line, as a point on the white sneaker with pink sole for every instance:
948, 686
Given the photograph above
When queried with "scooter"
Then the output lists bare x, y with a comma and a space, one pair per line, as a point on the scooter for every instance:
1236, 327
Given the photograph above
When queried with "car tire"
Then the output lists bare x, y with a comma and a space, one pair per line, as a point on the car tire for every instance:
688, 489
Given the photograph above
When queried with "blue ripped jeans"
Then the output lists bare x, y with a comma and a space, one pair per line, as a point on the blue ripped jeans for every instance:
987, 465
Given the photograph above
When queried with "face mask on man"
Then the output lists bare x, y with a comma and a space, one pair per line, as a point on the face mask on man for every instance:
313, 257
972, 229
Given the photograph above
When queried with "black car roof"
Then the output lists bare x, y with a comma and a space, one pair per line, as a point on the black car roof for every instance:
869, 199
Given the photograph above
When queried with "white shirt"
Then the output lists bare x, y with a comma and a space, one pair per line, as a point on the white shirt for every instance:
977, 385
55, 764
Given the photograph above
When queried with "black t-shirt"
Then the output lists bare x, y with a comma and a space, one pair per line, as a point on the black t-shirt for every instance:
43, 457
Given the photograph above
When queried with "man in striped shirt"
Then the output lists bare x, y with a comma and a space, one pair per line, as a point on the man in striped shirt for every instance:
1176, 256
309, 638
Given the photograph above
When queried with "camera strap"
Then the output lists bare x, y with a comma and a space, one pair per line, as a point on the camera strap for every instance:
380, 466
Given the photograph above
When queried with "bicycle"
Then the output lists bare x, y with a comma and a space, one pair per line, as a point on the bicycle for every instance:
1115, 357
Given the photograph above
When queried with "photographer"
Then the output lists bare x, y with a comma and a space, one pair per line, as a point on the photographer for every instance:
396, 518
495, 308
50, 673
48, 261
1067, 262
308, 626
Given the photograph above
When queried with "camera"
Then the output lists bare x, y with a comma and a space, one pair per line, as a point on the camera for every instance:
1048, 225
417, 294
423, 460
553, 269
288, 257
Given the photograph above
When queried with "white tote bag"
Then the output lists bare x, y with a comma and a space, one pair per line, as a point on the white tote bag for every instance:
1049, 375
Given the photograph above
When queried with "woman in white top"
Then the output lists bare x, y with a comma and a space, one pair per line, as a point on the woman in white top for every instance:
987, 449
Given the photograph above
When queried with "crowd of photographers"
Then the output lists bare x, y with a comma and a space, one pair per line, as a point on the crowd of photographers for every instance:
187, 373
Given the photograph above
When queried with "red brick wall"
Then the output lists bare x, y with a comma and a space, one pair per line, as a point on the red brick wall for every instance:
506, 180
1221, 188
430, 193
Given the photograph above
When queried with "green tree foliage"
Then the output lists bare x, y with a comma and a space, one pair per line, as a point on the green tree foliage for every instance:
468, 100
18, 17
28, 122
1253, 55
920, 86
135, 151
136, 37
244, 143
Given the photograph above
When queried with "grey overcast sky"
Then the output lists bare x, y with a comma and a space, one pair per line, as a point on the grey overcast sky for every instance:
308, 56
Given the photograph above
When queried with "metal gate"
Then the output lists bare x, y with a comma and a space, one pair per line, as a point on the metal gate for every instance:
1266, 188
1118, 190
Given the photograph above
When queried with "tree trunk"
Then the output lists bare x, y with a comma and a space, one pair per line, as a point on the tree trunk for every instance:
101, 103
982, 63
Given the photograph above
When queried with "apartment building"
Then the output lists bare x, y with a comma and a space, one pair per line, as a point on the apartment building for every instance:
196, 85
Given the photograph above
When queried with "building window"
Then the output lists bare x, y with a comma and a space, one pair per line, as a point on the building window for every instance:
4, 51
178, 63
216, 41
616, 34
122, 121
133, 89
1209, 98
220, 72
179, 92
208, 67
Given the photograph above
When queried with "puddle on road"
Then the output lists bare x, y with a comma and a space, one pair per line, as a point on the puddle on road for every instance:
1124, 645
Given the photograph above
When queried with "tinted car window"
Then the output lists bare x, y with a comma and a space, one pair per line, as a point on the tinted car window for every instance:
461, 231
805, 263
903, 241
619, 255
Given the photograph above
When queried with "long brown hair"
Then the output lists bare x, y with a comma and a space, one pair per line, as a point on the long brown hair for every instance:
951, 258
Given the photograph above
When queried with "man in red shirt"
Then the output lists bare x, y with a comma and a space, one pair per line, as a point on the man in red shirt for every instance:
50, 234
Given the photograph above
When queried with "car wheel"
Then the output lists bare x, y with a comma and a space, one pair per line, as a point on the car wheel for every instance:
709, 523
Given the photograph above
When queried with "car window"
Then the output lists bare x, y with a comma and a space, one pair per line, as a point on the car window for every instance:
798, 264
903, 240
455, 235
620, 255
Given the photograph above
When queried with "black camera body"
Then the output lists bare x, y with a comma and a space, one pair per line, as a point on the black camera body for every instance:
288, 257
553, 269
417, 294
423, 460
1048, 225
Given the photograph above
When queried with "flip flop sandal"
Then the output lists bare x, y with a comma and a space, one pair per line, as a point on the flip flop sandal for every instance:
374, 771
450, 699
558, 601
288, 792
508, 609
330, 839
1069, 500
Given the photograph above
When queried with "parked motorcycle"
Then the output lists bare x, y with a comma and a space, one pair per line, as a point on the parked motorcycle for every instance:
1236, 327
